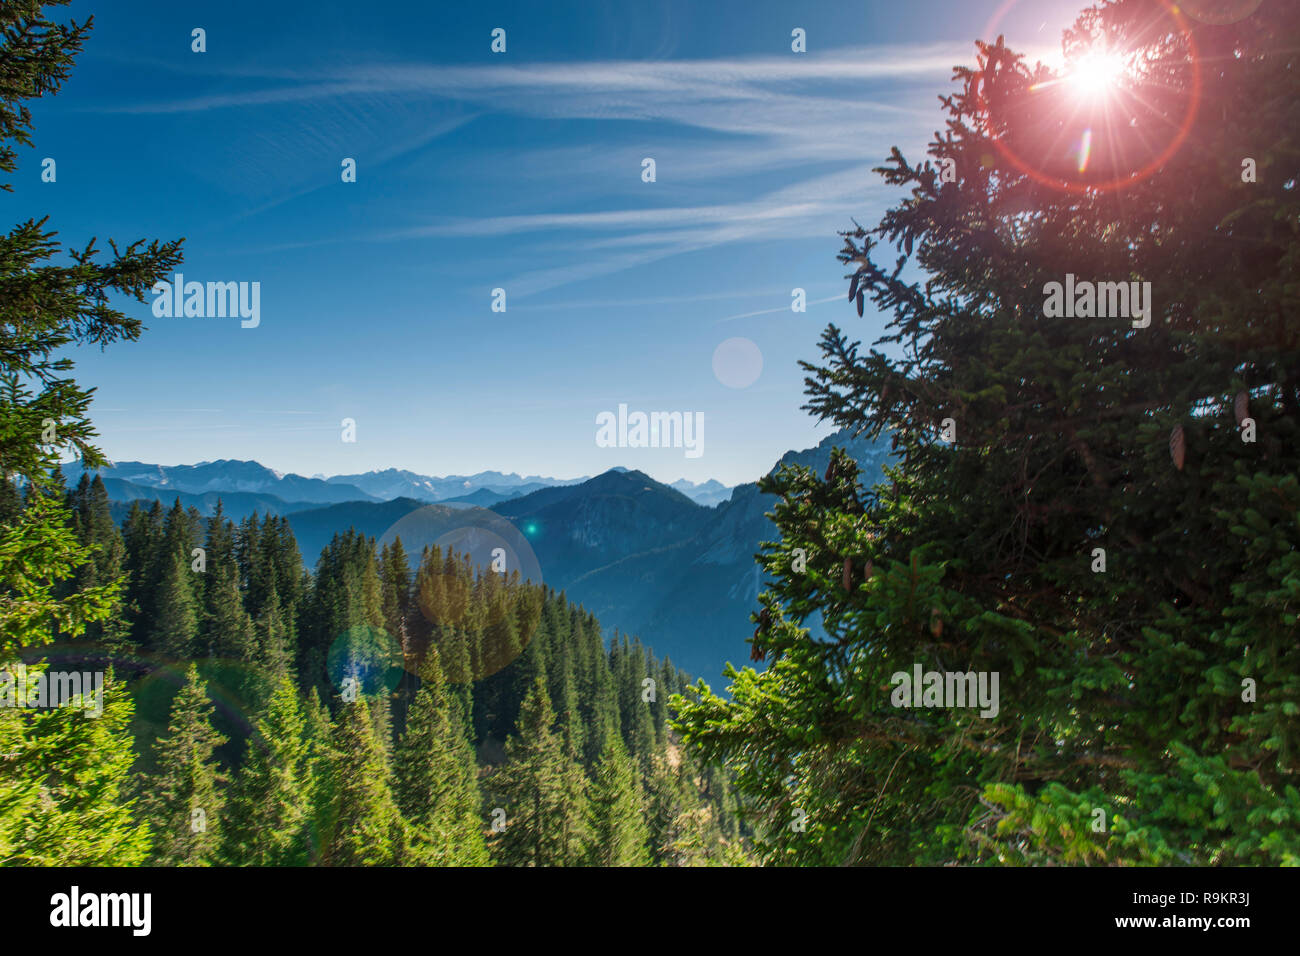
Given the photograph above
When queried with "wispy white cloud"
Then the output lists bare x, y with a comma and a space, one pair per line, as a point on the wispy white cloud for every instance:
614, 219
813, 207
783, 308
712, 123
570, 304
800, 107
285, 153
607, 81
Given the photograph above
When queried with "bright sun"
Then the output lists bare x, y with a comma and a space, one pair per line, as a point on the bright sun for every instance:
1096, 74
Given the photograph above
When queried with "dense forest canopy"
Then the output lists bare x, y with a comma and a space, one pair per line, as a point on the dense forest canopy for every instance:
257, 714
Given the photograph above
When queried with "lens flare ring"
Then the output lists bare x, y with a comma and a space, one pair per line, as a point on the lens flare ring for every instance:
1118, 182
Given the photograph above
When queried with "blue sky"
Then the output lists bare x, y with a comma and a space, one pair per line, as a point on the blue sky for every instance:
478, 171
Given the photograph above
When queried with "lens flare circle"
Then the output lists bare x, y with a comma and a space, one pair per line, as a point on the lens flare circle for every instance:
484, 543
737, 363
368, 655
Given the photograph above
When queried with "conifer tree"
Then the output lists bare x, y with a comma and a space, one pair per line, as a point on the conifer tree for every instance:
436, 779
68, 774
569, 715
616, 820
604, 704
226, 629
684, 829
270, 566
44, 308
542, 791
93, 523
142, 538
381, 722
174, 622
395, 575
20, 790
345, 594
185, 800
317, 735
270, 814
274, 636
364, 826
630, 666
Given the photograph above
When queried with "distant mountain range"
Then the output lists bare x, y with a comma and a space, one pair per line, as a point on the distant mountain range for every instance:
395, 483
645, 557
279, 493
709, 493
226, 477
649, 561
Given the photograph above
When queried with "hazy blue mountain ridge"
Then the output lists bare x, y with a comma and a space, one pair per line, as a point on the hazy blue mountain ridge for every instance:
641, 555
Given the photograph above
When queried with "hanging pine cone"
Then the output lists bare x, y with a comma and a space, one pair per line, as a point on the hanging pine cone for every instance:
848, 574
853, 287
867, 570
1177, 446
861, 300
1242, 407
756, 652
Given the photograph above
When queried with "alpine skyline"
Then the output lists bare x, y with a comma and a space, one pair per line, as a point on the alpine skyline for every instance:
476, 171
